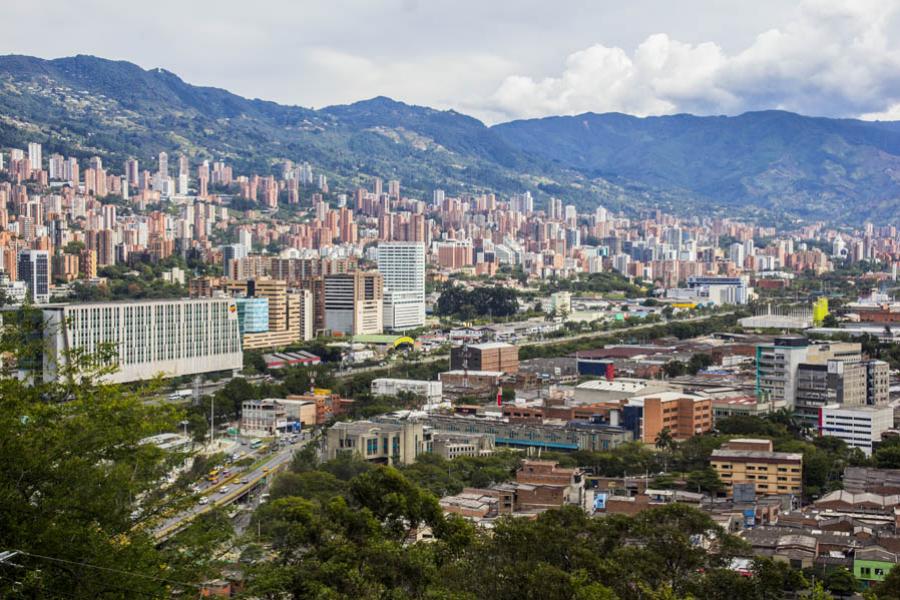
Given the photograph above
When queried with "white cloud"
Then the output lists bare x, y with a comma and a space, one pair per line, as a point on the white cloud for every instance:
834, 57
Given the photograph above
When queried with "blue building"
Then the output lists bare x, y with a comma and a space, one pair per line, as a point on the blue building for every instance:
253, 315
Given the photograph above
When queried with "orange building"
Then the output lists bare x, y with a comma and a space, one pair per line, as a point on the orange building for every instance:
683, 414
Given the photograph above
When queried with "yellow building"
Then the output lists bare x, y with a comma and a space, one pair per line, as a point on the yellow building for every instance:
753, 461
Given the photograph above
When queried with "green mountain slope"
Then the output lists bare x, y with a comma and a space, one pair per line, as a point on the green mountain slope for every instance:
771, 163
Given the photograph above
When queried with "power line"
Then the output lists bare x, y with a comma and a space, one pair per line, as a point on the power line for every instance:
109, 569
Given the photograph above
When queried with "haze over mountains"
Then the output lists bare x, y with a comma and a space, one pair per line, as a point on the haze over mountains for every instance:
770, 163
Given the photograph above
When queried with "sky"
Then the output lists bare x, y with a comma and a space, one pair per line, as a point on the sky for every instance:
499, 60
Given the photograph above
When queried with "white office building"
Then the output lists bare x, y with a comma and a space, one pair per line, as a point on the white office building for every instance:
402, 265
859, 426
431, 391
146, 337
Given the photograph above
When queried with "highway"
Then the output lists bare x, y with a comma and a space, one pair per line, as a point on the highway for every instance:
239, 484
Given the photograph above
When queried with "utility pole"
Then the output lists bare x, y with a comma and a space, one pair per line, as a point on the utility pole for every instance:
212, 420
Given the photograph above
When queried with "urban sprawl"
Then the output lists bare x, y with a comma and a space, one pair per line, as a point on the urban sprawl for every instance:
598, 362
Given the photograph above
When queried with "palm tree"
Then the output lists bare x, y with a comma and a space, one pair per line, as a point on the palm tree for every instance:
664, 439
665, 443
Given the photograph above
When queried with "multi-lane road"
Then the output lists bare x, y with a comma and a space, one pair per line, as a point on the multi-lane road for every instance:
236, 485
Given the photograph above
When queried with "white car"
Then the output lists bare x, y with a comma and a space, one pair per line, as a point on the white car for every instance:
224, 489
203, 500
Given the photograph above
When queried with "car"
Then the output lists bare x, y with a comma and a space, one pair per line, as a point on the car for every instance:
265, 469
203, 500
245, 480
224, 489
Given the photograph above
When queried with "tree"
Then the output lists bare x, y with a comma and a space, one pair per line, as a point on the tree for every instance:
706, 480
664, 439
840, 582
698, 362
79, 486
889, 589
888, 457
674, 368
830, 321
394, 501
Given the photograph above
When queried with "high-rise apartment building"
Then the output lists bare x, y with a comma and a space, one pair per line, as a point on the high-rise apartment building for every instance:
163, 171
402, 265
35, 160
34, 270
354, 302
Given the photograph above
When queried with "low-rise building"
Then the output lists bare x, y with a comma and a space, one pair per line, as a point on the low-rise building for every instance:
550, 436
262, 417
754, 461
859, 426
872, 565
454, 445
430, 391
397, 443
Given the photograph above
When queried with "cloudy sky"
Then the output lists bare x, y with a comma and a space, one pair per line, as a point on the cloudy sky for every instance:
499, 59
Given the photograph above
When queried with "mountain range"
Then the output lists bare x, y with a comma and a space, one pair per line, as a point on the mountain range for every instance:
773, 165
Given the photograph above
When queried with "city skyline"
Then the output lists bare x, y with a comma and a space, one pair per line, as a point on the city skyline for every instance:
706, 58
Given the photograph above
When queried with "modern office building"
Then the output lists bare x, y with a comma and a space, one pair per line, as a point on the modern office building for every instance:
714, 290
402, 265
778, 367
34, 270
145, 338
253, 315
288, 313
354, 303
753, 461
859, 426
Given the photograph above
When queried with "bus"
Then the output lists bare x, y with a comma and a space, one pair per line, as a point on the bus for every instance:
254, 444
213, 475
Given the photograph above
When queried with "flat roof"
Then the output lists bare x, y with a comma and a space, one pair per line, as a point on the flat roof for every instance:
730, 453
491, 345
